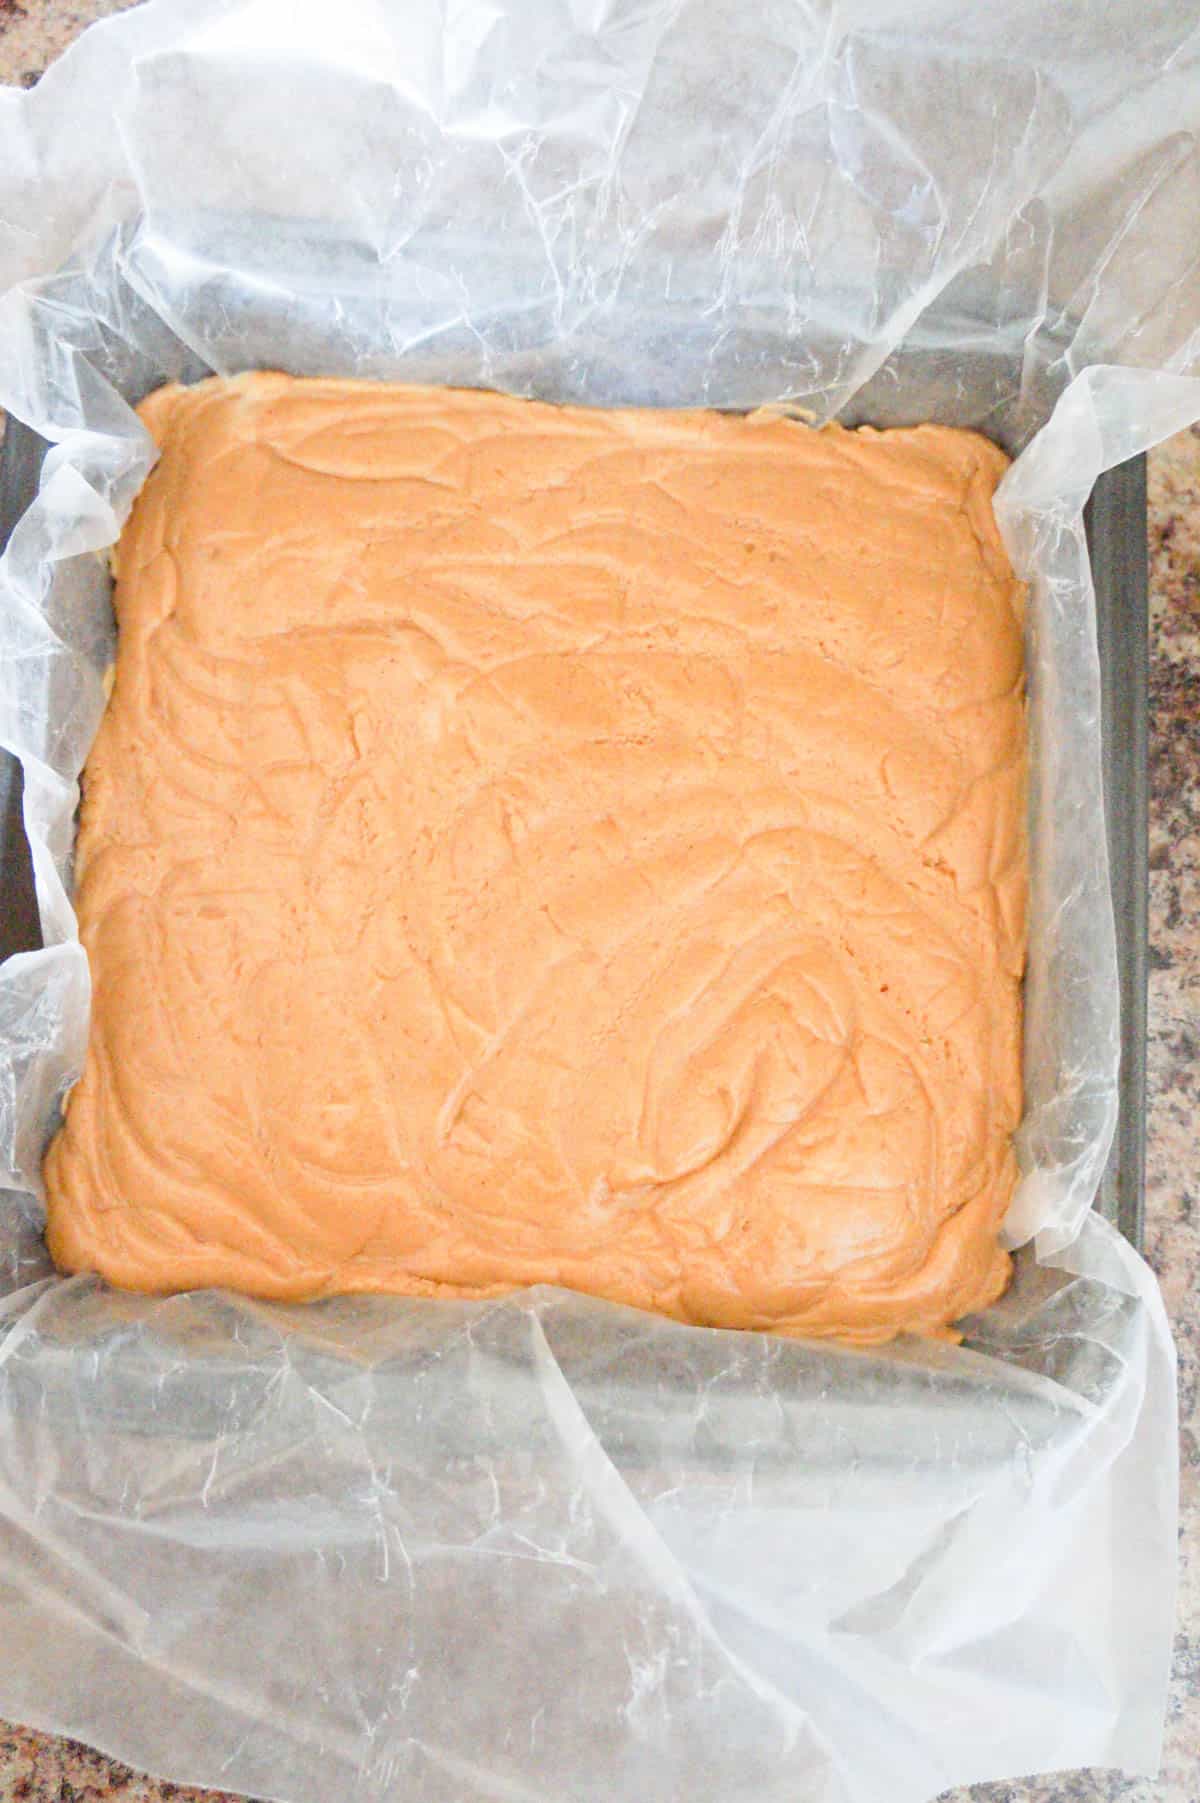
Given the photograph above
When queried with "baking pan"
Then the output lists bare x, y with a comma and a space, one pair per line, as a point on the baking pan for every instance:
1116, 529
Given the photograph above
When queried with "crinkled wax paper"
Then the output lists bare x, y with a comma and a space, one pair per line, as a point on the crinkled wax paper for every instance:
548, 1549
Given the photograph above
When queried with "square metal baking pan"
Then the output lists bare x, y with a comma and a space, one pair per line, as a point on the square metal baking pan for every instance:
1116, 527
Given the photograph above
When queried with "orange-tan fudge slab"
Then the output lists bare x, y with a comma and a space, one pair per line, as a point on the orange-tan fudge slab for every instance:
534, 844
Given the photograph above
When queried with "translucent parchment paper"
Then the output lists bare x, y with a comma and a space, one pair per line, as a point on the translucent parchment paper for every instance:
549, 1549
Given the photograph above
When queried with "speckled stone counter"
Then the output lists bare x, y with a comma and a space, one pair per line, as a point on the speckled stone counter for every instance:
37, 1768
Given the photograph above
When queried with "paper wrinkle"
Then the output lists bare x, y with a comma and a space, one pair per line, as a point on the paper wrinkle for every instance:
547, 1547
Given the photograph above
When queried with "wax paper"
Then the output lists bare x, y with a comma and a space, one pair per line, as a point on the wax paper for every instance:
546, 1548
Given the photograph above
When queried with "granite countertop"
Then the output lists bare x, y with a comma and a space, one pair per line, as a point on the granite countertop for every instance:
38, 1768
